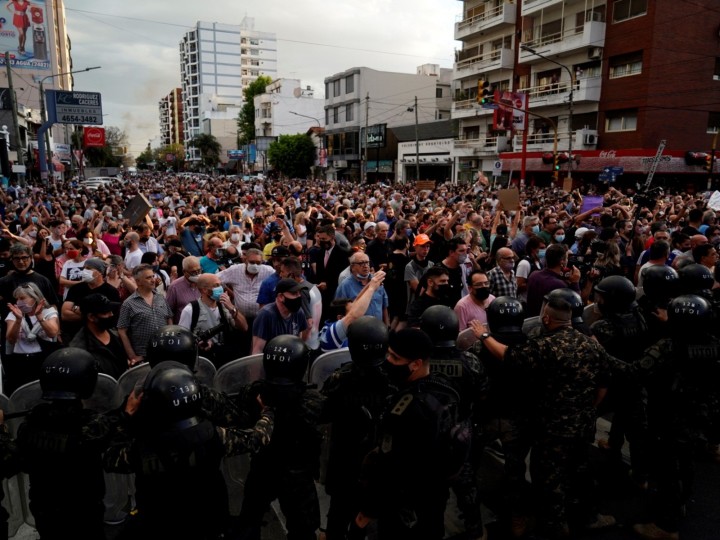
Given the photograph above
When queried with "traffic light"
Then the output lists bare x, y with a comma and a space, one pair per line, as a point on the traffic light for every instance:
695, 158
485, 94
709, 159
548, 158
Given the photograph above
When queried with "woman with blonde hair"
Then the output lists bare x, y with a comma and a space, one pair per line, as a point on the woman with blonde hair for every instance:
32, 327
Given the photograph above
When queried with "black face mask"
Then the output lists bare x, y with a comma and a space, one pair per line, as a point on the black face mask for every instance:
198, 229
105, 323
293, 304
398, 375
443, 290
482, 293
325, 244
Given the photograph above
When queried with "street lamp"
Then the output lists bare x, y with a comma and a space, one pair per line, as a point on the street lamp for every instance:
43, 113
572, 89
322, 141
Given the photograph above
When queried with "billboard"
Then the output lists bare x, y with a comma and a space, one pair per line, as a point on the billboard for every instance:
513, 116
93, 136
24, 34
376, 136
74, 107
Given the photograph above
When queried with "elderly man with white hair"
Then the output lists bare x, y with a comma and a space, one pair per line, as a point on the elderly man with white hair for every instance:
361, 276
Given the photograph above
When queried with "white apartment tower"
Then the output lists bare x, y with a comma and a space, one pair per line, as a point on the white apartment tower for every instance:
217, 62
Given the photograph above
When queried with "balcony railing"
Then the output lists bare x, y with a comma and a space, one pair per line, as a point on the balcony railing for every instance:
470, 27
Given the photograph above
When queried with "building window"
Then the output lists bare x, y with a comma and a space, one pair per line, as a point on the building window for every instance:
327, 90
349, 84
327, 116
713, 122
626, 65
628, 9
336, 115
349, 113
438, 92
621, 120
336, 88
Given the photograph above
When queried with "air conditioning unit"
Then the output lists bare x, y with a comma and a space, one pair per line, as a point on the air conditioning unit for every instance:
590, 139
595, 53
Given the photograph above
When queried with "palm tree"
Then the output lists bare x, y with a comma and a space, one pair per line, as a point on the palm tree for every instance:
209, 148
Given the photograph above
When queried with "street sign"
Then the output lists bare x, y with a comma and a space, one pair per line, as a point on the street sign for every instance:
489, 106
74, 107
615, 171
497, 168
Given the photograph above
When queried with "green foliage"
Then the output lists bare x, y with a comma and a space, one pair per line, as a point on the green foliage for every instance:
209, 148
246, 118
292, 155
144, 159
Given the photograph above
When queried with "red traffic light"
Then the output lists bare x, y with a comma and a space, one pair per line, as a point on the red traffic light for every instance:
696, 158
548, 158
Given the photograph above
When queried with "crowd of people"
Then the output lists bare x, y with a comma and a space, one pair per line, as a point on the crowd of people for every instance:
468, 324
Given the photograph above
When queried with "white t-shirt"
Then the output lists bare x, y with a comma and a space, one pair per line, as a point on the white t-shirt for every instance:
72, 271
30, 346
133, 258
170, 223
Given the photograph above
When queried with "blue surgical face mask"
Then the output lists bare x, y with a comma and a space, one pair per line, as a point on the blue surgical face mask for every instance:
536, 229
216, 292
560, 238
541, 254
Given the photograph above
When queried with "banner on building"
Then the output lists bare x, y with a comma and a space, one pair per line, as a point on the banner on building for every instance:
510, 114
28, 19
62, 151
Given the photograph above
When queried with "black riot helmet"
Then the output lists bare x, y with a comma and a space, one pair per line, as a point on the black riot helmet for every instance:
617, 293
441, 325
172, 342
572, 298
660, 282
368, 341
505, 315
689, 315
68, 373
171, 396
285, 359
695, 278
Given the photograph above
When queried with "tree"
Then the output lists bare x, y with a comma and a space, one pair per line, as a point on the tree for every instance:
144, 159
170, 155
246, 118
110, 155
209, 148
292, 155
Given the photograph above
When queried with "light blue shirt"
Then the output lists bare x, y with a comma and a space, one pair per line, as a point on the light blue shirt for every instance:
351, 287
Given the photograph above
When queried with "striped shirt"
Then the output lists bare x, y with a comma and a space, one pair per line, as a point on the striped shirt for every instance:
245, 287
142, 320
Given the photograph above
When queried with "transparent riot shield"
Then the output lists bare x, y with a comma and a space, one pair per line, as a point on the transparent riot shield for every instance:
326, 364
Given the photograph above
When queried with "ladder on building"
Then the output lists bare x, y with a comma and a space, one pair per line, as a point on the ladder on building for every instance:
654, 164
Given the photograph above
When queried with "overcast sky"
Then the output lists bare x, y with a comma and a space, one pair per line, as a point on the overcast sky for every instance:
136, 43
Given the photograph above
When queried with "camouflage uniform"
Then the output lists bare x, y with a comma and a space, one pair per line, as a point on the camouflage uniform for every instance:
467, 375
61, 445
286, 468
180, 490
683, 410
569, 368
354, 401
406, 478
625, 337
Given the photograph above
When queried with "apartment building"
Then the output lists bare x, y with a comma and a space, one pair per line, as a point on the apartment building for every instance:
171, 118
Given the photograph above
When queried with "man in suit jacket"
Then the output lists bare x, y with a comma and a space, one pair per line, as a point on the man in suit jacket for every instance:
330, 262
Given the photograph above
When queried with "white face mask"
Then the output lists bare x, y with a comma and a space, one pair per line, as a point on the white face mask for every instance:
252, 268
88, 241
87, 275
235, 237
193, 279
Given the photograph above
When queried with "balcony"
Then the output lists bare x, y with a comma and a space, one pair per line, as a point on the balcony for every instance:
569, 41
482, 146
544, 142
467, 108
471, 67
533, 6
472, 27
587, 89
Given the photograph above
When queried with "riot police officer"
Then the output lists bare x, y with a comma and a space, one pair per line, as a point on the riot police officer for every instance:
699, 279
623, 332
421, 446
355, 396
62, 443
175, 453
660, 285
287, 467
176, 343
467, 375
681, 372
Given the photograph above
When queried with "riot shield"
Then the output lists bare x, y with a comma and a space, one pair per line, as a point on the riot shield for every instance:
530, 323
591, 314
205, 371
238, 373
326, 364
11, 487
129, 380
465, 339
104, 397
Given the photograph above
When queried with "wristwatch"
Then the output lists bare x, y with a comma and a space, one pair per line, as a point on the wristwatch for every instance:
484, 336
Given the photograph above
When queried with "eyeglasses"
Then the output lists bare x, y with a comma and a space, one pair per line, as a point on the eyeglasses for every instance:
22, 258
362, 263
195, 272
507, 258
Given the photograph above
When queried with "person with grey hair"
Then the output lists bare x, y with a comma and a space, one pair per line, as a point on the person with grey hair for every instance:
142, 314
360, 278
21, 258
531, 226
133, 253
184, 290
32, 327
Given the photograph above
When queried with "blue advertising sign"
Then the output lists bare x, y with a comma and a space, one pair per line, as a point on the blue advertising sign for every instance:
74, 107
616, 171
236, 154
24, 34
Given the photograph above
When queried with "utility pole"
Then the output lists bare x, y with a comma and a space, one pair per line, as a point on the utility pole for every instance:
367, 119
417, 145
13, 106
